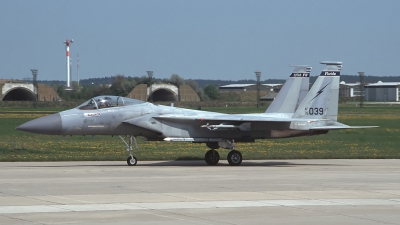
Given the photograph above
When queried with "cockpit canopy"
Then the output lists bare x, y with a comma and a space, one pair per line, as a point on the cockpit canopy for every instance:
106, 101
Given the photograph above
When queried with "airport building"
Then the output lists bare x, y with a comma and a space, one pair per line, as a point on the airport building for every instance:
350, 90
12, 90
251, 87
164, 93
382, 92
268, 91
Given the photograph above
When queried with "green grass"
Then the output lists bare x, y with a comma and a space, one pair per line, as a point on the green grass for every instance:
18, 109
369, 109
380, 142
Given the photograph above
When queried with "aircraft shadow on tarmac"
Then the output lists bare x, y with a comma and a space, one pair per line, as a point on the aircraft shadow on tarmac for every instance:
186, 163
201, 163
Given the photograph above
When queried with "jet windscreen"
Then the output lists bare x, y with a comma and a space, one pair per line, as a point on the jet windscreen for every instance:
107, 102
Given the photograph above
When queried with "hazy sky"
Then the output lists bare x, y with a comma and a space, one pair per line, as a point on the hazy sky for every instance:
208, 39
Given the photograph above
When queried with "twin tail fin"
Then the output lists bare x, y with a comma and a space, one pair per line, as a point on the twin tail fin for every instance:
322, 100
293, 91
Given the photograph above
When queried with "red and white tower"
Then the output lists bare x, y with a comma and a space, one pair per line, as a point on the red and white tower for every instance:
67, 43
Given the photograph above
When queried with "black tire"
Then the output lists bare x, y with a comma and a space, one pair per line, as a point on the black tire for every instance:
235, 158
212, 157
131, 161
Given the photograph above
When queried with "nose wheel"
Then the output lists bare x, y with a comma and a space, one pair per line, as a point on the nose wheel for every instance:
131, 161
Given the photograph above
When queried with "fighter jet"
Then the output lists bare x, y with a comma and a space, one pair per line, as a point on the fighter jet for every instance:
129, 118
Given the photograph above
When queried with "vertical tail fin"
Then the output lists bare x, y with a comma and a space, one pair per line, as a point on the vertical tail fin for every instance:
292, 92
322, 100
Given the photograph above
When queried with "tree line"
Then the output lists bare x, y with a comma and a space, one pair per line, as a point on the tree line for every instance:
120, 85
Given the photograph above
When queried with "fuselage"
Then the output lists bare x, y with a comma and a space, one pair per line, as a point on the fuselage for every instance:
157, 122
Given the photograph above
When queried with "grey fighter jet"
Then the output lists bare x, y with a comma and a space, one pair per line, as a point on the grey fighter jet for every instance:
295, 112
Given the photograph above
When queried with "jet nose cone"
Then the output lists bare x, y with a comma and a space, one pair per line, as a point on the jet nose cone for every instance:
46, 125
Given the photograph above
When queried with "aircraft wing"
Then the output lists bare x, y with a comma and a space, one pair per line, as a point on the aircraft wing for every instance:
228, 118
243, 122
144, 122
143, 126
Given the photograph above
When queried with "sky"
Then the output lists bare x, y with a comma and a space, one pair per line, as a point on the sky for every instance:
202, 39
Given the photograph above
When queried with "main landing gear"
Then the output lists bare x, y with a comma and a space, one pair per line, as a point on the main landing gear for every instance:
212, 156
131, 160
234, 158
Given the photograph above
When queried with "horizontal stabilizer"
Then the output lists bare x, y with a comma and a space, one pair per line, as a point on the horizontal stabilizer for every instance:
341, 127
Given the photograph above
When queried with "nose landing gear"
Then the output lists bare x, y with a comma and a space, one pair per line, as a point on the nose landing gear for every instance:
131, 160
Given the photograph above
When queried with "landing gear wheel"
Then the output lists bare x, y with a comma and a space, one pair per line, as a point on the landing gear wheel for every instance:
131, 141
131, 161
212, 157
234, 158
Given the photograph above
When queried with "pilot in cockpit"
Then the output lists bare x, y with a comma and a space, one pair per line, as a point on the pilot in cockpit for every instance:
104, 102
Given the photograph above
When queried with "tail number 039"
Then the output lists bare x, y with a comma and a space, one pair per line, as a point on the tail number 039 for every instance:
315, 111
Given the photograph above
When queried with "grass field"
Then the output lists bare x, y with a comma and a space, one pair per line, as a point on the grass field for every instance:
383, 142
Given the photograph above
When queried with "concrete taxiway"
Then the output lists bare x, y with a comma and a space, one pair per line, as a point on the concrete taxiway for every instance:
189, 192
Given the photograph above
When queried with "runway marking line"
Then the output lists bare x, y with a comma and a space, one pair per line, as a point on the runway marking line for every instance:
193, 205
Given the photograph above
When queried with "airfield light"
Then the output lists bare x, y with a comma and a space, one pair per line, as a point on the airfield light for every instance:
361, 74
77, 67
150, 74
67, 43
34, 74
258, 75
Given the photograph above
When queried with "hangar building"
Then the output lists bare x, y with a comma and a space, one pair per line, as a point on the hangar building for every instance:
250, 87
12, 90
350, 89
382, 91
164, 92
